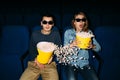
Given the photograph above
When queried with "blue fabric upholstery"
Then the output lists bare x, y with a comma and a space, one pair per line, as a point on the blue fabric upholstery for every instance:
109, 39
14, 43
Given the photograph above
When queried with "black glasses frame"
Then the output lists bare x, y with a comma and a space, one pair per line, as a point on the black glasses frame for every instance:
47, 22
78, 19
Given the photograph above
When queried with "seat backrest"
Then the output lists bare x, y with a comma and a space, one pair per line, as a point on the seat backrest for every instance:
109, 39
14, 39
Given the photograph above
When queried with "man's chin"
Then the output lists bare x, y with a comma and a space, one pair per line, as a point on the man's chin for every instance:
47, 30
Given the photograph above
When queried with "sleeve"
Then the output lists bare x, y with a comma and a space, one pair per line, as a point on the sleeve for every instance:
95, 42
66, 39
58, 38
32, 48
58, 42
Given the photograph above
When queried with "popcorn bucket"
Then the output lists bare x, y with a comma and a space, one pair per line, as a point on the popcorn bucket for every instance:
84, 38
45, 51
84, 42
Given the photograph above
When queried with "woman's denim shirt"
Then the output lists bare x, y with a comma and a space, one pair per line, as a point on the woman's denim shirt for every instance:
83, 55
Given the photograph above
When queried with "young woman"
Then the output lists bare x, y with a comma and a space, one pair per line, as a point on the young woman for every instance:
80, 24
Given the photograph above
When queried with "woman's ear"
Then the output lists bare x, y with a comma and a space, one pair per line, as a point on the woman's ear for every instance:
53, 24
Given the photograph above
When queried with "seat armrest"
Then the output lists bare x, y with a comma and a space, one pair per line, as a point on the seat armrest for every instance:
22, 58
100, 60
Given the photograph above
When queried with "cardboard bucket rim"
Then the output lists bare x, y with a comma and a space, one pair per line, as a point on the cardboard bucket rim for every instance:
49, 46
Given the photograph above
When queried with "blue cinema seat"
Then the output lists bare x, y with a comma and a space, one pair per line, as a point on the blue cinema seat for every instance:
109, 39
14, 43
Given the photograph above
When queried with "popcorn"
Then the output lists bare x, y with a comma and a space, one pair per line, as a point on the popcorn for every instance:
85, 34
46, 46
84, 39
64, 54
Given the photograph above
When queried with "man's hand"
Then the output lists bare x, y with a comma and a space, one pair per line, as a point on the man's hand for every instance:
50, 60
41, 66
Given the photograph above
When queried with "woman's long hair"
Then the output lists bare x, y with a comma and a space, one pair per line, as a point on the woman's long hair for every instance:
85, 28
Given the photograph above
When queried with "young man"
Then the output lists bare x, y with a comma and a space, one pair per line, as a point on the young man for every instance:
35, 68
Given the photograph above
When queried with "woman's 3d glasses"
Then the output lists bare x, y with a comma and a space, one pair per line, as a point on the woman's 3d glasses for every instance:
78, 19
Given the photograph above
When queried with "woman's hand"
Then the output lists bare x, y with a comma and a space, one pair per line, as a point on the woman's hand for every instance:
91, 46
74, 43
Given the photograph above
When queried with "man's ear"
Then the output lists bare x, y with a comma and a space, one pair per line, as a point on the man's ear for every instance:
41, 23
